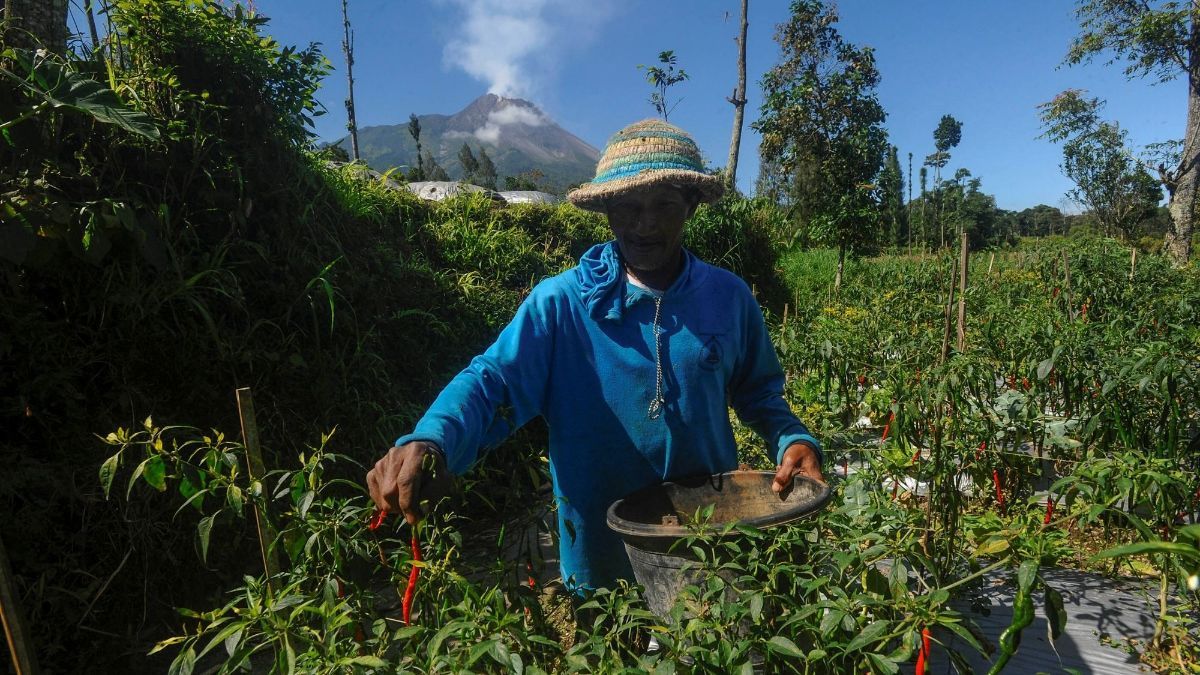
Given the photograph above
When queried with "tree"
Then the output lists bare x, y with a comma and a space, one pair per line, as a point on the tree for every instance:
822, 125
527, 180
348, 50
487, 170
891, 188
662, 79
1108, 181
414, 130
433, 170
946, 136
470, 165
739, 105
1040, 221
1162, 40
34, 23
909, 201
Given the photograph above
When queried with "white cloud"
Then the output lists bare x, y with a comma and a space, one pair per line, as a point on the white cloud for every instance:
504, 43
507, 115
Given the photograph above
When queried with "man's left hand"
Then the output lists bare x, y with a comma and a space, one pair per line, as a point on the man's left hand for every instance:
800, 459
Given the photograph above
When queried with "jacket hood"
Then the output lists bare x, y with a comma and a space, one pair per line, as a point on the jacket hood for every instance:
601, 281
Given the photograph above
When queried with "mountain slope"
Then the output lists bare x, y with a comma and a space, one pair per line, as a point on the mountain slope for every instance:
517, 136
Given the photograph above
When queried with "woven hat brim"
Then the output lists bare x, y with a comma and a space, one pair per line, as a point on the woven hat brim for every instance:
591, 196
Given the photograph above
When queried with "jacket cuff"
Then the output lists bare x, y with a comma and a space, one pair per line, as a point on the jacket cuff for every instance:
424, 438
788, 440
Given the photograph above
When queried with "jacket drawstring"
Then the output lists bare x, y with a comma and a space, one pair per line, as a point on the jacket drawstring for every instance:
657, 403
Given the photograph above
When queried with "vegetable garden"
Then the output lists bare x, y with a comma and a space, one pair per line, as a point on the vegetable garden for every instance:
1057, 434
158, 272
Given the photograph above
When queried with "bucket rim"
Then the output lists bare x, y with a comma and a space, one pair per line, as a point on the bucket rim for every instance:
629, 528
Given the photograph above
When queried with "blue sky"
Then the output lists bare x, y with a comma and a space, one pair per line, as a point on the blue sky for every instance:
987, 63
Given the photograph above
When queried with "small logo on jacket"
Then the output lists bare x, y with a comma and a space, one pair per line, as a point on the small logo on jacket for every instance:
710, 354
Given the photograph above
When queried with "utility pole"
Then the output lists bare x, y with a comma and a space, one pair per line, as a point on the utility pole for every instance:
739, 105
348, 49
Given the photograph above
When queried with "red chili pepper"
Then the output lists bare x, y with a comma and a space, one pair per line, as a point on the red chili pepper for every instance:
341, 592
887, 427
1049, 510
845, 467
862, 380
1025, 383
411, 589
923, 653
1055, 293
377, 520
1084, 311
999, 493
980, 449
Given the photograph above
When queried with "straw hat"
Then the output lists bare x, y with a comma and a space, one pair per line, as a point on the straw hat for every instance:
644, 154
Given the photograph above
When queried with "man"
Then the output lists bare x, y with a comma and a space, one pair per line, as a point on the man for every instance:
632, 357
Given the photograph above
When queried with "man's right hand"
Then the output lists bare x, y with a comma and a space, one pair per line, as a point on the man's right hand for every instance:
407, 476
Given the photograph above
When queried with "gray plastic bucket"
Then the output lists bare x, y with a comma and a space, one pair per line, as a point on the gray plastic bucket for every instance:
650, 521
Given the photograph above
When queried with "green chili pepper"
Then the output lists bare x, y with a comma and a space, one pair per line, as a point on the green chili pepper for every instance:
1010, 639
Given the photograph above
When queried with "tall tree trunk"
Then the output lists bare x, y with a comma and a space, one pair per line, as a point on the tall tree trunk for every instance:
91, 19
348, 48
35, 23
1178, 240
739, 105
908, 219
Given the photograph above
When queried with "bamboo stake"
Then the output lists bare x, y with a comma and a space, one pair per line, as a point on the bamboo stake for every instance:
1132, 263
963, 259
991, 259
256, 469
20, 642
949, 314
783, 327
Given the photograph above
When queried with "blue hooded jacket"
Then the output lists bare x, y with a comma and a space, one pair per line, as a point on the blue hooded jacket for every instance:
580, 352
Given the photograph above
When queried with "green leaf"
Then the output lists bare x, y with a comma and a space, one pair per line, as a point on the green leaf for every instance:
204, 529
882, 664
183, 664
756, 605
1056, 613
233, 495
108, 470
830, 621
1044, 368
479, 650
1167, 547
992, 546
306, 502
784, 646
155, 473
58, 84
958, 629
368, 661
870, 634
1026, 574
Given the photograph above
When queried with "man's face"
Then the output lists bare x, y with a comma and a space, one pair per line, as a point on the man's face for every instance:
648, 225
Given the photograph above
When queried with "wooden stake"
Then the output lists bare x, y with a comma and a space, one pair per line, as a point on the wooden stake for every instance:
20, 643
963, 251
1132, 263
991, 259
783, 327
256, 470
949, 311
